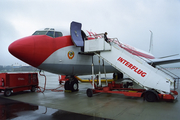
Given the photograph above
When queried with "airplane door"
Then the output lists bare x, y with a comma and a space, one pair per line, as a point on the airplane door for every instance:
76, 36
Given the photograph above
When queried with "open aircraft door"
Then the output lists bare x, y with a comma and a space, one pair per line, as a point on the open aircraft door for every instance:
77, 35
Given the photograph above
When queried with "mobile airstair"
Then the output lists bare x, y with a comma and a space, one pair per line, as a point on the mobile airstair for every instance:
156, 84
137, 69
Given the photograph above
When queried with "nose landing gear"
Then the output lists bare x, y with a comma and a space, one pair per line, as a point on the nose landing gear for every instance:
71, 84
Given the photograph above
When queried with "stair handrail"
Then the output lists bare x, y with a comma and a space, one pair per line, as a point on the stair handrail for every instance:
174, 76
116, 41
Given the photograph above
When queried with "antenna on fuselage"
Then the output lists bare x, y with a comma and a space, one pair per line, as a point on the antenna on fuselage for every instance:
151, 43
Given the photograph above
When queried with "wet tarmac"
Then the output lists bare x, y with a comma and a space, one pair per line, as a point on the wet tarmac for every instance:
77, 106
15, 110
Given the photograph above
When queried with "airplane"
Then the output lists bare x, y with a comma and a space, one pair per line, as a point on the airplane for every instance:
63, 53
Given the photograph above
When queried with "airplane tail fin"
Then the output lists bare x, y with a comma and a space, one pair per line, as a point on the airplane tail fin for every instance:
151, 43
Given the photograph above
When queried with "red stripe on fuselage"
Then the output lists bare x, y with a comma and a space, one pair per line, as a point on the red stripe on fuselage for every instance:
36, 49
138, 53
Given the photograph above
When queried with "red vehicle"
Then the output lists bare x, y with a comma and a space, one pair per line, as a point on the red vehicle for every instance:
16, 82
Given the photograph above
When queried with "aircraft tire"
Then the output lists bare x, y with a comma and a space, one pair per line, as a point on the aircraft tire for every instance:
89, 92
74, 86
67, 85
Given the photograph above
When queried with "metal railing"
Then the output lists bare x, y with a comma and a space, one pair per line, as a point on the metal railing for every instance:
175, 77
150, 62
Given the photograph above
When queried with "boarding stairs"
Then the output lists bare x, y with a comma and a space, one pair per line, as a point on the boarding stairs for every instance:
124, 59
136, 68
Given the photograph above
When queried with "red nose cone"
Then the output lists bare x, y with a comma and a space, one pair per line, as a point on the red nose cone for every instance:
23, 49
34, 50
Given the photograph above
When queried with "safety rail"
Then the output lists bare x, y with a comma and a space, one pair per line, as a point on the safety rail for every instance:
129, 49
175, 77
100, 35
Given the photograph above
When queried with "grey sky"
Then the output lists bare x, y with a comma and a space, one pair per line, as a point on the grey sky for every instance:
128, 20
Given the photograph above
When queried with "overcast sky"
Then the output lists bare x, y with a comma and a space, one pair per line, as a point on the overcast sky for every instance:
128, 20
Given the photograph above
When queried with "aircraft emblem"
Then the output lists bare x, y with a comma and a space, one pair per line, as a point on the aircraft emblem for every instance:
70, 54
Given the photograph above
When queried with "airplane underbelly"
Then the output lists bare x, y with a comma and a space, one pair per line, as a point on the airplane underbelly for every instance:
72, 69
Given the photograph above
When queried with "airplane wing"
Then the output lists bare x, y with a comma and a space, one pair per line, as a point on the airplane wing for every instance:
165, 61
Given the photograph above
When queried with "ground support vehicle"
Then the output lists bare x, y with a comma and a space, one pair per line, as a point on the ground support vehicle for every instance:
156, 83
16, 82
120, 88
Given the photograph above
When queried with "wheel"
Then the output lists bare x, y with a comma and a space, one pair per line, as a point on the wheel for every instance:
89, 92
120, 75
150, 96
67, 85
128, 84
7, 93
74, 86
33, 88
117, 75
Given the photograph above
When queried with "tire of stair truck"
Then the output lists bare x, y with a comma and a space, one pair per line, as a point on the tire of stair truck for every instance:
7, 93
119, 75
67, 85
89, 92
128, 84
33, 88
151, 96
74, 86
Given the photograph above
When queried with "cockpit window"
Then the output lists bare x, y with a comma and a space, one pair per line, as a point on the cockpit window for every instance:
49, 32
40, 33
58, 34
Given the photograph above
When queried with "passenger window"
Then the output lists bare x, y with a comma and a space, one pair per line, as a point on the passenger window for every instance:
58, 34
50, 33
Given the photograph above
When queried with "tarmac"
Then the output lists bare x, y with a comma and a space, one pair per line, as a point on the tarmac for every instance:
52, 105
